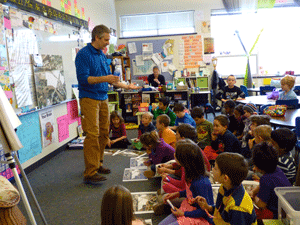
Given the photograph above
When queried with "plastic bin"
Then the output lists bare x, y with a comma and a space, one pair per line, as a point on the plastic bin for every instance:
288, 205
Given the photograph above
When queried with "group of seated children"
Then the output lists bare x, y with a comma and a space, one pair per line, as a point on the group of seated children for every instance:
242, 146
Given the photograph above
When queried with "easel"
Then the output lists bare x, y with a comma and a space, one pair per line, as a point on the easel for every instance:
10, 142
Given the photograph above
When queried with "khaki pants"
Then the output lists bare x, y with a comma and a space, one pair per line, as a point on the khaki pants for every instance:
95, 123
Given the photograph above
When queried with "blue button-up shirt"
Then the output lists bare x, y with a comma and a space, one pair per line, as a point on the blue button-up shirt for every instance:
91, 62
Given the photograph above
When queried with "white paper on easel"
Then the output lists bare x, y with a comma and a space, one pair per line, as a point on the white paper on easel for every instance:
132, 48
9, 121
9, 111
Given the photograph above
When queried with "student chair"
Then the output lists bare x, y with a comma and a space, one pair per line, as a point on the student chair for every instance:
208, 109
297, 90
261, 109
264, 89
245, 90
291, 104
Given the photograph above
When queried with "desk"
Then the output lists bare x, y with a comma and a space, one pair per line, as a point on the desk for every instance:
199, 98
259, 100
288, 120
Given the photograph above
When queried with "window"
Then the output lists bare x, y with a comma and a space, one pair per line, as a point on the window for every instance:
278, 46
157, 24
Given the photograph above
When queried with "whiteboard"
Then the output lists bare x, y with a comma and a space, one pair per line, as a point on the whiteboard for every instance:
64, 48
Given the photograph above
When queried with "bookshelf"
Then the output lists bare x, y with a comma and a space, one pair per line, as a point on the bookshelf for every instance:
201, 82
125, 63
113, 101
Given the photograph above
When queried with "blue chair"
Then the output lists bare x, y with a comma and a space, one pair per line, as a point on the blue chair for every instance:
264, 89
291, 104
261, 108
245, 90
297, 90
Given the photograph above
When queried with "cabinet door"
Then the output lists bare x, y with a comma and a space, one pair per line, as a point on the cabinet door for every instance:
202, 82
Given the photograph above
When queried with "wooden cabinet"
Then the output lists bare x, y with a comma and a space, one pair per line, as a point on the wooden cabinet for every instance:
125, 63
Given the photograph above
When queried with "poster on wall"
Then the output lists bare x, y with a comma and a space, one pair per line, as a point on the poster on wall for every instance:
50, 81
47, 127
209, 46
205, 26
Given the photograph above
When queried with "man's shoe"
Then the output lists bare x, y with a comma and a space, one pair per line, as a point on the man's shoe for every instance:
95, 179
160, 209
103, 170
149, 174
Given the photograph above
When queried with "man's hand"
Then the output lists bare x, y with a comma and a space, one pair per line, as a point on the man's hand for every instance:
157, 81
132, 86
112, 79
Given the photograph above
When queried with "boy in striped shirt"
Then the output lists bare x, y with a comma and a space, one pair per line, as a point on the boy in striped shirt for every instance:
284, 140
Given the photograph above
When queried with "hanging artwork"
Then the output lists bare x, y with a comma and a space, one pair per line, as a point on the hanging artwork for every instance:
47, 127
50, 81
209, 46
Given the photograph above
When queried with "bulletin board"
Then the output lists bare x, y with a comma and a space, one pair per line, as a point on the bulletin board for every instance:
54, 43
148, 64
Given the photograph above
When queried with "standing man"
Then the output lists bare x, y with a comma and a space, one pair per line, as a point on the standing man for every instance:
156, 79
93, 75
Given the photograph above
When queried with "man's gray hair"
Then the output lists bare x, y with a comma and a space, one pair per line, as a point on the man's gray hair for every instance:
99, 31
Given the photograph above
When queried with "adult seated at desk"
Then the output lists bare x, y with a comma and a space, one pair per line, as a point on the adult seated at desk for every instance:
156, 79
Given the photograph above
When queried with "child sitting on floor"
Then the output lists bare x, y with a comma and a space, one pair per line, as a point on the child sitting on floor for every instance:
256, 120
265, 160
157, 149
239, 116
173, 174
229, 112
117, 207
287, 84
249, 109
222, 139
182, 116
233, 205
119, 136
197, 183
147, 125
163, 108
203, 126
261, 133
164, 132
284, 140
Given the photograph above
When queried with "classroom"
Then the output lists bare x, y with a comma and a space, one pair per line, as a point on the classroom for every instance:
216, 81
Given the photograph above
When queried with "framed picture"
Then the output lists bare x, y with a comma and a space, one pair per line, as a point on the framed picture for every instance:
128, 108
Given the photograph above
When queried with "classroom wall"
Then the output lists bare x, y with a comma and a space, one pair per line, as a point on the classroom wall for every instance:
100, 12
202, 10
